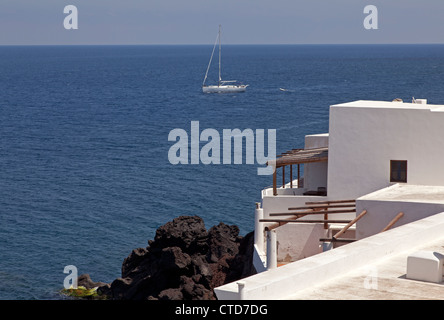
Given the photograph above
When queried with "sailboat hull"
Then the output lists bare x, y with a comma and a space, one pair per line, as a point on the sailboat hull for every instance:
224, 88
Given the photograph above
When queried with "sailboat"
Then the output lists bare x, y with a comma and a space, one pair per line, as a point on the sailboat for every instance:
222, 85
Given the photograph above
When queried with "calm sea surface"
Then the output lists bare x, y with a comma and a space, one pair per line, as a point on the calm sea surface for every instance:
84, 170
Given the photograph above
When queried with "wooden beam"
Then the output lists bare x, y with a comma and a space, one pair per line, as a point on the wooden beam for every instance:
290, 152
312, 212
329, 202
301, 153
324, 206
337, 240
278, 224
297, 156
303, 221
287, 162
350, 224
305, 151
395, 219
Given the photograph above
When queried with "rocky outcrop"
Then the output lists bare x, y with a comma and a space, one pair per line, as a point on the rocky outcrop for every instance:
185, 261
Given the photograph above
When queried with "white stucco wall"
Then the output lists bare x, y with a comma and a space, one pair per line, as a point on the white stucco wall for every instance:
315, 173
297, 241
415, 201
313, 141
380, 213
280, 204
366, 135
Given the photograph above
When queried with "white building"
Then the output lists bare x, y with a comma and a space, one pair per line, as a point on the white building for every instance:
380, 166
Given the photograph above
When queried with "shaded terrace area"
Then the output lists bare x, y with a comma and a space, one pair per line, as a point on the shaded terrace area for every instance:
297, 157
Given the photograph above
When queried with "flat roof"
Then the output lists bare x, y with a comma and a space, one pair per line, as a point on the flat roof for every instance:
349, 271
409, 193
391, 105
384, 280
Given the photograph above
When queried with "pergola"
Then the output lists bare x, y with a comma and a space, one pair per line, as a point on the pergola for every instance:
296, 157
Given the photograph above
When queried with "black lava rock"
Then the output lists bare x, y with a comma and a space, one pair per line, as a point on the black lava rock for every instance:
183, 262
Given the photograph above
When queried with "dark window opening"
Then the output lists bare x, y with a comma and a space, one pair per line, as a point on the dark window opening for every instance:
398, 170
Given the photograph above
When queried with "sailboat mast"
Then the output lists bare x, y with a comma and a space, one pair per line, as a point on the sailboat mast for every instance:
211, 59
219, 57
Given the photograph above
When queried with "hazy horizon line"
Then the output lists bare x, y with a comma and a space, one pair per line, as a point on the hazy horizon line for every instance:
228, 44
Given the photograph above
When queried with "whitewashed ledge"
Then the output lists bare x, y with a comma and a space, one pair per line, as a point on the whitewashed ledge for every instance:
283, 282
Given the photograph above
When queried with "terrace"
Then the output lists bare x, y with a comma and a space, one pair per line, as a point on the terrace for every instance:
297, 157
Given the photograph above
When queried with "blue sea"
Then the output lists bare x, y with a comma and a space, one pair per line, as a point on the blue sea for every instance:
84, 170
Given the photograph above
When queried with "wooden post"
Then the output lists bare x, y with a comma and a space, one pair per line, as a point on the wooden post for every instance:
291, 176
274, 183
299, 177
326, 219
283, 176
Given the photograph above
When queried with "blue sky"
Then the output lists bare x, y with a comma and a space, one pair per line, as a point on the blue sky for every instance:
243, 21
